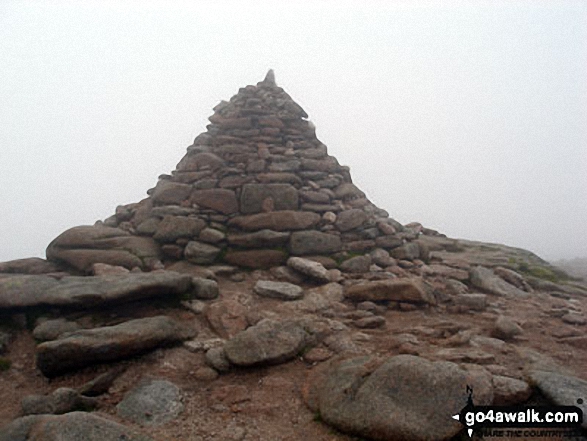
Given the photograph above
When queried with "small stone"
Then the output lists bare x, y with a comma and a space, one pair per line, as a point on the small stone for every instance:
313, 270
216, 358
316, 355
205, 374
574, 319
205, 289
505, 328
278, 290
472, 302
370, 322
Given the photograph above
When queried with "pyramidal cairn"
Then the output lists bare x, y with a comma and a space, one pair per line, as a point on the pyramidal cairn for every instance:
254, 189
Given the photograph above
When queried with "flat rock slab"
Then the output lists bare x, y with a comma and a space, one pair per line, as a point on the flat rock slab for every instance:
563, 390
26, 291
152, 403
268, 342
404, 398
409, 291
91, 346
74, 426
31, 265
81, 247
278, 290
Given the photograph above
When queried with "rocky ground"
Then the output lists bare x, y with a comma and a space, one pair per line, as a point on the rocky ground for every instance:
225, 354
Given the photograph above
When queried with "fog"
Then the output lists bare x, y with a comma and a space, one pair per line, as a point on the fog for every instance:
469, 117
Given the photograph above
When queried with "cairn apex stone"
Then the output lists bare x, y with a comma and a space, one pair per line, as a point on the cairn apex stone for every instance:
270, 78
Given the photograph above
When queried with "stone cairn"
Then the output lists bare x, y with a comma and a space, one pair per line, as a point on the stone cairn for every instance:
255, 188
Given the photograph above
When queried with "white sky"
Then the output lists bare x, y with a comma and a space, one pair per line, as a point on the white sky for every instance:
470, 117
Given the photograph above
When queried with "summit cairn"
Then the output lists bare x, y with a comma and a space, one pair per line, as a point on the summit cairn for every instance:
254, 189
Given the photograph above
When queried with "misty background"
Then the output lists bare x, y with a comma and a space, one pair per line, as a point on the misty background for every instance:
469, 117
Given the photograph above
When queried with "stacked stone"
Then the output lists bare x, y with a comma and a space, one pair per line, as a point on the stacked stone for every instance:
257, 187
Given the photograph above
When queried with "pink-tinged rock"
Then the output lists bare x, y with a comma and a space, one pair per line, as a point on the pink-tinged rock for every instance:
411, 291
172, 193
103, 269
227, 317
219, 199
195, 162
255, 258
276, 220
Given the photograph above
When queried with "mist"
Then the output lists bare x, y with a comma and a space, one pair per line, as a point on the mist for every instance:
469, 117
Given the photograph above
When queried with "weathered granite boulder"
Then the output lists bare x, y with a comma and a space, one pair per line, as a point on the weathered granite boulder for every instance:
151, 403
172, 228
485, 279
563, 390
81, 247
403, 398
268, 342
110, 343
74, 426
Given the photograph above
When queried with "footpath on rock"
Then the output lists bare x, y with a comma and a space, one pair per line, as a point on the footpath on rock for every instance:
257, 294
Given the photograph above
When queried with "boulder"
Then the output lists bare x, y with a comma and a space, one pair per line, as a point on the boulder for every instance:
220, 199
110, 343
404, 398
253, 197
563, 390
314, 270
81, 247
268, 342
172, 228
278, 290
84, 292
276, 220
409, 291
171, 193
314, 242
31, 265
151, 403
485, 279
74, 426
357, 264
408, 251
350, 219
